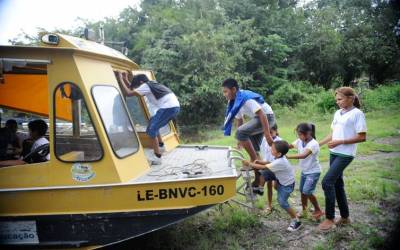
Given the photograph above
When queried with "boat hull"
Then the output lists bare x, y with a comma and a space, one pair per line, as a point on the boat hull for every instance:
77, 230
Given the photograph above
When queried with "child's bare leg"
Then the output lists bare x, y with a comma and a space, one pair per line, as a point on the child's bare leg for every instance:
256, 182
160, 140
292, 213
156, 148
269, 190
262, 181
304, 201
249, 149
314, 201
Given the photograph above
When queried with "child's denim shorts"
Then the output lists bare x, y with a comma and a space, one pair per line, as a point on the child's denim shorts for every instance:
283, 194
308, 183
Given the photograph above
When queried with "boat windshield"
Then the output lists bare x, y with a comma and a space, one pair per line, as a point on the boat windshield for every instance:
115, 119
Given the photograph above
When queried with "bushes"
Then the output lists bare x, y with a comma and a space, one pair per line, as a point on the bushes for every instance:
293, 93
299, 94
381, 97
326, 102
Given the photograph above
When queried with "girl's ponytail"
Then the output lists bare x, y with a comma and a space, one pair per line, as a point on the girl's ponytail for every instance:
356, 102
312, 126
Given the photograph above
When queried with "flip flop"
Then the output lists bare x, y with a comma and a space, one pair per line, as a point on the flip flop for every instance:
318, 216
268, 210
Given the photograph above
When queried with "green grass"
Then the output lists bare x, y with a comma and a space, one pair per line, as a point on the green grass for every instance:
367, 182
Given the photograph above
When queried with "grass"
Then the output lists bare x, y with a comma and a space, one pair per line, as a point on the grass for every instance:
372, 186
368, 182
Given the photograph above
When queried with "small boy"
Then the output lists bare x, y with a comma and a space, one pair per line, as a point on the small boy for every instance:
266, 175
284, 173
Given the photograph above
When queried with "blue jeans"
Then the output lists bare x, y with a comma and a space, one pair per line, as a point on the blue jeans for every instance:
283, 194
333, 186
160, 119
308, 183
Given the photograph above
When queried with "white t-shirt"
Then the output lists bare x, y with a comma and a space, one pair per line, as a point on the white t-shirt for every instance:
283, 171
310, 164
168, 101
250, 107
39, 142
346, 126
265, 149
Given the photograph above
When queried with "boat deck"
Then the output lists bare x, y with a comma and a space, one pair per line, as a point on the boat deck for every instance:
188, 162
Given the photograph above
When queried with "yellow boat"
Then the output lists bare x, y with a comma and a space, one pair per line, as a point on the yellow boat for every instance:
98, 186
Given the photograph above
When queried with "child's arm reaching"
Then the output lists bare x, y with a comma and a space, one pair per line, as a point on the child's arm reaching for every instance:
304, 155
256, 165
261, 162
123, 83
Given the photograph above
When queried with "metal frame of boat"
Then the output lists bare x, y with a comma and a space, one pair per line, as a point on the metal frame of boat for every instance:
113, 198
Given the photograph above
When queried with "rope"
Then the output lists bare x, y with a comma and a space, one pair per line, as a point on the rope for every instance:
197, 168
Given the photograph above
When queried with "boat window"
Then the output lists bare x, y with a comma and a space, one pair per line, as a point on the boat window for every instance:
115, 119
75, 136
137, 113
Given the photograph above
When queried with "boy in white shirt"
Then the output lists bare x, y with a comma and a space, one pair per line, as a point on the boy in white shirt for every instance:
284, 173
266, 175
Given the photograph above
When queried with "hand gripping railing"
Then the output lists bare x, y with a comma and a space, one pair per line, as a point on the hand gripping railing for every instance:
245, 189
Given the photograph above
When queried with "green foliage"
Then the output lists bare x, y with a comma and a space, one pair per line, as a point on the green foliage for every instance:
293, 93
381, 97
268, 46
326, 102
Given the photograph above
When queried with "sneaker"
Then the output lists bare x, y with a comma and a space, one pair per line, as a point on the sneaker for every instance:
294, 226
258, 190
155, 160
162, 149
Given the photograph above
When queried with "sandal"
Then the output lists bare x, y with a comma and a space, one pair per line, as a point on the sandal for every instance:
326, 225
268, 210
317, 215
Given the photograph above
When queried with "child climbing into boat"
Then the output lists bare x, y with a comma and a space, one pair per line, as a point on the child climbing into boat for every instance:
284, 173
162, 98
247, 103
266, 175
308, 151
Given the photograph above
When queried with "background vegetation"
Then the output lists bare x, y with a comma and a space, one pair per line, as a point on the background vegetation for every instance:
287, 50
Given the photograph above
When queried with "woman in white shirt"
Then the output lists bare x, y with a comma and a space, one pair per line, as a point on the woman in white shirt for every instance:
348, 128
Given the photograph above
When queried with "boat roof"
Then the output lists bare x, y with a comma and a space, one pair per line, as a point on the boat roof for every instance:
75, 45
